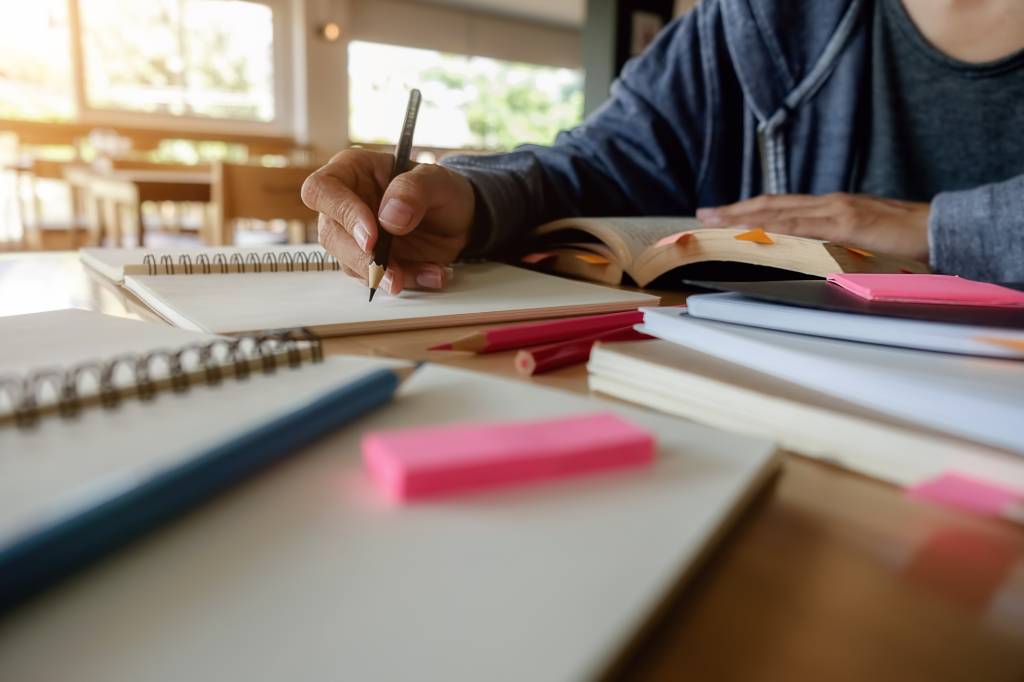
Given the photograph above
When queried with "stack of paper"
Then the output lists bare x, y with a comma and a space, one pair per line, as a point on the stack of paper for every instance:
910, 418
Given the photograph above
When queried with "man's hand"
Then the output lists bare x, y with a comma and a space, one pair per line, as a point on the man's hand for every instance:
888, 226
429, 206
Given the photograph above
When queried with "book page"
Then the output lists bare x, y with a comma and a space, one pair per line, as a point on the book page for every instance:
639, 234
628, 237
331, 303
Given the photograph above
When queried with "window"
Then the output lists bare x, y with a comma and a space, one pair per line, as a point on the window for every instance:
35, 79
116, 61
468, 102
210, 58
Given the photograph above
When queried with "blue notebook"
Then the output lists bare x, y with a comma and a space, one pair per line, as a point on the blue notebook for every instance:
96, 452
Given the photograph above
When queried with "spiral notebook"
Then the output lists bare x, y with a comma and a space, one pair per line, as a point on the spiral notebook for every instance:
309, 573
109, 427
247, 291
114, 264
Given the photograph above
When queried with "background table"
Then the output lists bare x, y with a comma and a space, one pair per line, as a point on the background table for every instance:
113, 200
828, 576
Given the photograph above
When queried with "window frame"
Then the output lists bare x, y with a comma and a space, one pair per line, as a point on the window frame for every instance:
281, 124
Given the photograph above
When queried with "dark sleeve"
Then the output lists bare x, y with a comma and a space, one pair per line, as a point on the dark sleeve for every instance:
640, 153
979, 233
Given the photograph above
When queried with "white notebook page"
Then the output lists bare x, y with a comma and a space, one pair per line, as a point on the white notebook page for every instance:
333, 303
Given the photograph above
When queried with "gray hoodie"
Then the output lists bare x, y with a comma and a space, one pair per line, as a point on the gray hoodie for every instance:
734, 99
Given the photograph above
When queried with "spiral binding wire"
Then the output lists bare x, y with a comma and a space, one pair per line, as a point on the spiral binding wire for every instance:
300, 261
29, 396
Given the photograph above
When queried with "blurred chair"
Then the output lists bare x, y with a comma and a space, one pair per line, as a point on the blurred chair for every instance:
260, 193
116, 191
168, 215
40, 231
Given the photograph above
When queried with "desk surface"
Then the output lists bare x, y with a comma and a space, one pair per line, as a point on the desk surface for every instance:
828, 576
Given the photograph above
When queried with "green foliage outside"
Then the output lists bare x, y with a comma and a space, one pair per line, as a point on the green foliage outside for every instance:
506, 104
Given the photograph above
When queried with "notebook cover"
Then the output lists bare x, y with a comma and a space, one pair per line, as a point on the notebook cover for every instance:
824, 296
930, 288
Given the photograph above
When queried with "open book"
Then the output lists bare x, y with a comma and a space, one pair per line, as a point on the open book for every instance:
644, 249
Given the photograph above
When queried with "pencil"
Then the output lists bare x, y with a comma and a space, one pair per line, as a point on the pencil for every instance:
403, 153
535, 334
532, 361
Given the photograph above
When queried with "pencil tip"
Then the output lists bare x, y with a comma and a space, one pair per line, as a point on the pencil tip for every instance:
372, 292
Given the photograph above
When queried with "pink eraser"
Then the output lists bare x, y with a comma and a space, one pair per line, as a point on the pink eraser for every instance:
937, 289
971, 494
437, 460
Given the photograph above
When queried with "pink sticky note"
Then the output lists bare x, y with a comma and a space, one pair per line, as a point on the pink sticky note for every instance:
939, 289
956, 490
437, 460
535, 258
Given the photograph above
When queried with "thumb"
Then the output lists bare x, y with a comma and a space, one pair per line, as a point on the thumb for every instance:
411, 194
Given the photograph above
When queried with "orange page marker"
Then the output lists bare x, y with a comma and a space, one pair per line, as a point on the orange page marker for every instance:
859, 252
592, 258
677, 238
1012, 344
757, 235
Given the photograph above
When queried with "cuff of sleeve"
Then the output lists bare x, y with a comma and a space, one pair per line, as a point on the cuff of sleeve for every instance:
955, 245
496, 206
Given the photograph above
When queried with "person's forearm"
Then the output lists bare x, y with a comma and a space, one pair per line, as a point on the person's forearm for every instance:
979, 233
517, 191
508, 190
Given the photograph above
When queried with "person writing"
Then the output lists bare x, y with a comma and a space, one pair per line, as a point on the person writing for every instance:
890, 125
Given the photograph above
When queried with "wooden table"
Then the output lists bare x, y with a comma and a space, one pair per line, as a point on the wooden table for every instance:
113, 200
828, 576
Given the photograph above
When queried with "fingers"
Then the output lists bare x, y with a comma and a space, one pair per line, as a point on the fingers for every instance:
770, 206
421, 275
343, 246
400, 275
816, 227
328, 194
412, 194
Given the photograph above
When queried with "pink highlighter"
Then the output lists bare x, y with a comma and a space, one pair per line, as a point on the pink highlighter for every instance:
433, 461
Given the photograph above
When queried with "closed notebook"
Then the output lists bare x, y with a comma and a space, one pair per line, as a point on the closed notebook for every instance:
310, 292
826, 296
974, 398
933, 289
679, 380
109, 427
887, 331
310, 573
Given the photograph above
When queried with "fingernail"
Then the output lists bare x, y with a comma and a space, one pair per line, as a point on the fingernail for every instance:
387, 282
362, 236
429, 278
396, 214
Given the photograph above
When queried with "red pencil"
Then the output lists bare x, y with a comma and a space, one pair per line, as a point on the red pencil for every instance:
546, 358
535, 334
